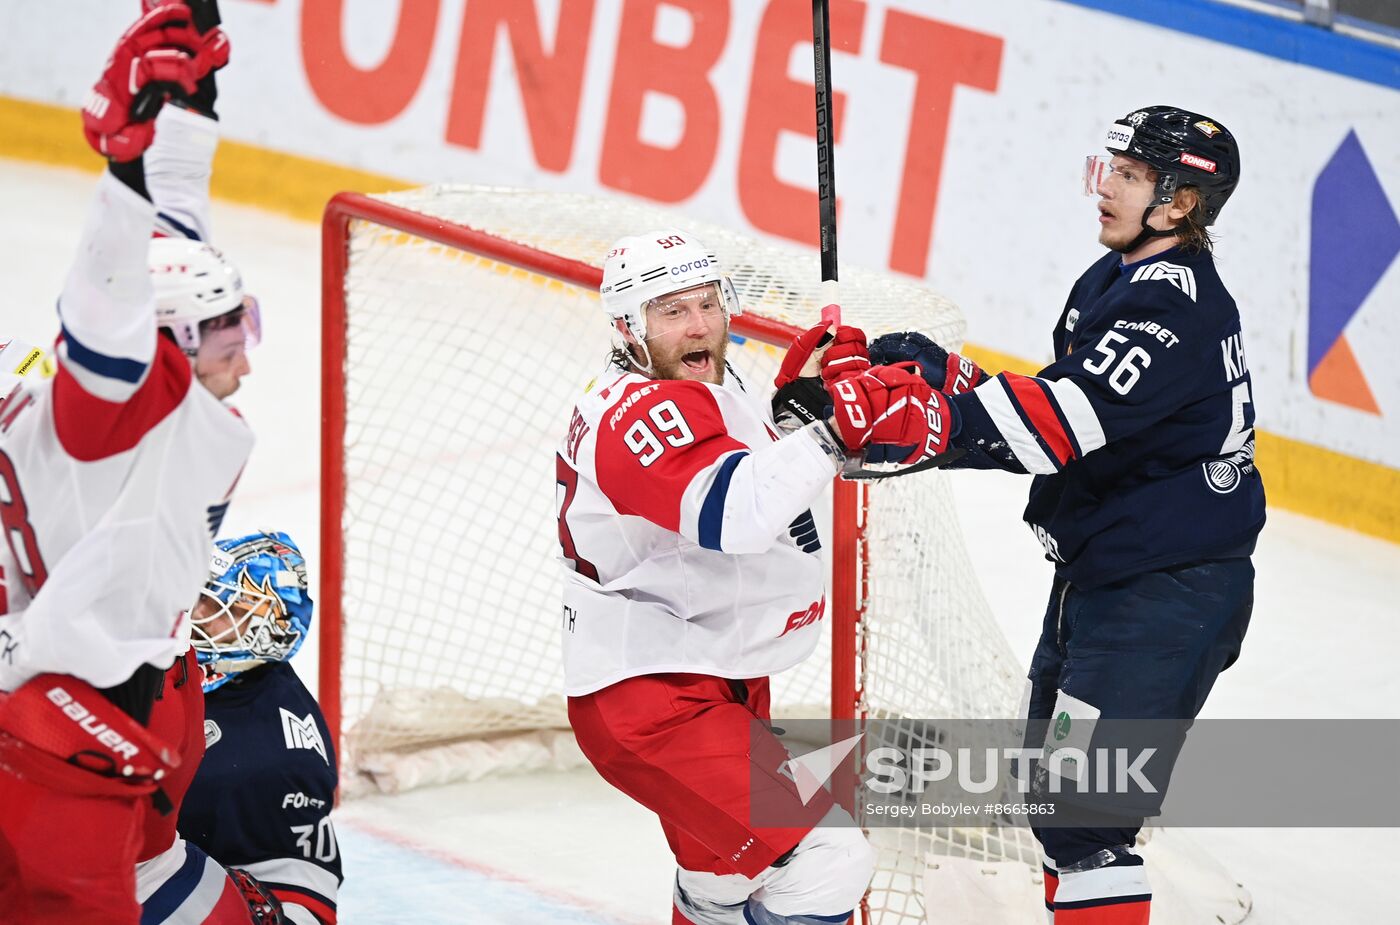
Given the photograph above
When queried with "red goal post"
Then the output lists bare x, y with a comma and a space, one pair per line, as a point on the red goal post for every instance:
335, 227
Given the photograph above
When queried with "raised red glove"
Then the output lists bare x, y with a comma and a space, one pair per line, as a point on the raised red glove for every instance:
847, 355
799, 355
818, 352
205, 13
161, 56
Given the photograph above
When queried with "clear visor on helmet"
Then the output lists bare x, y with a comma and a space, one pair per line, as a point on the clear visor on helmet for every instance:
714, 299
240, 328
252, 323
1099, 169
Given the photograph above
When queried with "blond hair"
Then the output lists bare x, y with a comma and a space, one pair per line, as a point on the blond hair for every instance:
1193, 231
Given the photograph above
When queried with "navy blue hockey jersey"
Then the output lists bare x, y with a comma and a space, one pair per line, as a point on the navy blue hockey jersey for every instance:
1140, 433
262, 797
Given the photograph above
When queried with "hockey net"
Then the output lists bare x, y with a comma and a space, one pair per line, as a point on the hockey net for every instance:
460, 324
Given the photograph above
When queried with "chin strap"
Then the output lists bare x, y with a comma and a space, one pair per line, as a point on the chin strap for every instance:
1148, 232
650, 366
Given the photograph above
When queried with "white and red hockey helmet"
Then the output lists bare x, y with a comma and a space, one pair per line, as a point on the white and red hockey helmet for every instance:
641, 268
195, 283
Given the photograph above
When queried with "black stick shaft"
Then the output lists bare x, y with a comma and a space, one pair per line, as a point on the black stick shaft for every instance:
826, 157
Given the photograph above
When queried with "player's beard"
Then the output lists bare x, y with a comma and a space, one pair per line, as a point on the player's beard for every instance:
1120, 233
671, 363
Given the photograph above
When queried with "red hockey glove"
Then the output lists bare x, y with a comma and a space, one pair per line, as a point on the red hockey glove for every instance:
802, 360
847, 355
205, 13
885, 404
161, 56
943, 423
818, 351
946, 372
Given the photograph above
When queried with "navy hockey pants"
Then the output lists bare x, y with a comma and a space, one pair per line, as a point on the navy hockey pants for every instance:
1147, 647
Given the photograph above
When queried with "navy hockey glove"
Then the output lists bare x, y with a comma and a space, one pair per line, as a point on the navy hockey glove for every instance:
944, 371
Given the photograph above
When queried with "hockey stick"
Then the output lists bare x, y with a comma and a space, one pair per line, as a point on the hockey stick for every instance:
856, 468
826, 159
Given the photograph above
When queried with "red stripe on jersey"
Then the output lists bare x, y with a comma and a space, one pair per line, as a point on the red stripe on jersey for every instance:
1042, 417
653, 441
317, 907
91, 428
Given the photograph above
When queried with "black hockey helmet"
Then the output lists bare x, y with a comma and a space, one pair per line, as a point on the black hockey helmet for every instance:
1184, 148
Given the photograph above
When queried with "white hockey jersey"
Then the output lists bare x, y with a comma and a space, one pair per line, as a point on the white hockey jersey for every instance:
686, 532
113, 475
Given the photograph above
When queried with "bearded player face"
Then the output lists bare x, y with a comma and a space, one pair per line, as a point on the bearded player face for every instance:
688, 333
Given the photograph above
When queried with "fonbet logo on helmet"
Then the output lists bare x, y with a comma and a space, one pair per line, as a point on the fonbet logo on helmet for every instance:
1200, 163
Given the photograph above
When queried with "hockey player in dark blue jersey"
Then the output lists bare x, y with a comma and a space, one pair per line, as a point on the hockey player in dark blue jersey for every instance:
262, 798
1140, 437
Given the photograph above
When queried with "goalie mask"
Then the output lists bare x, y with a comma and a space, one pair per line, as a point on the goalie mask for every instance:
642, 268
195, 284
255, 608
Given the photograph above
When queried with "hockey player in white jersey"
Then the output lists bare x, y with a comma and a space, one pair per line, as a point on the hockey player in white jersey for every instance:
112, 476
694, 573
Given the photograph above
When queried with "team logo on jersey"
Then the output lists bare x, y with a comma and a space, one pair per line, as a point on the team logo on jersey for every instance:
212, 733
1207, 128
1071, 319
1180, 277
1224, 475
302, 733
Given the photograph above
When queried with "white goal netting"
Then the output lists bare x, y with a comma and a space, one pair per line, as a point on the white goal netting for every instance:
459, 379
